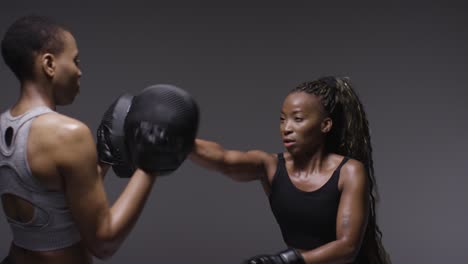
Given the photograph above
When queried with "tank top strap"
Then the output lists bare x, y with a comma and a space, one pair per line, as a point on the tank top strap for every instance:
345, 159
336, 173
280, 171
281, 167
34, 112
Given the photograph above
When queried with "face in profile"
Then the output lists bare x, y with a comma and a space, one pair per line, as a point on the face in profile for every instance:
66, 79
303, 124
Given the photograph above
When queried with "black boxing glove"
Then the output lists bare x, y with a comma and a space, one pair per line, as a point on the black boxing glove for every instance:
290, 256
110, 145
160, 128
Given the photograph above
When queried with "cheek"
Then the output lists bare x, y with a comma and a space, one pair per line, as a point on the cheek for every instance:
64, 66
310, 131
60, 70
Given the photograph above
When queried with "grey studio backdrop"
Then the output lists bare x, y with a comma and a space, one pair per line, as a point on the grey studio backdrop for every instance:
408, 64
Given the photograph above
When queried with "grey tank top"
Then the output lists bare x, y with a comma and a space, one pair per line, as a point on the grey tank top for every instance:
51, 226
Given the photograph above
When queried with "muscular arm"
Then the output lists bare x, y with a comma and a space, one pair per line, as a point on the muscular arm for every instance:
102, 228
351, 219
238, 165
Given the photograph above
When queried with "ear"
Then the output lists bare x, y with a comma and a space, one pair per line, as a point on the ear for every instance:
327, 124
48, 64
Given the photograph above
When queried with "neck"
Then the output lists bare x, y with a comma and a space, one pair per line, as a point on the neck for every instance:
33, 94
310, 162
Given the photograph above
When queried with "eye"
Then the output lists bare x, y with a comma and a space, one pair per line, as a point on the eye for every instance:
77, 61
281, 119
298, 119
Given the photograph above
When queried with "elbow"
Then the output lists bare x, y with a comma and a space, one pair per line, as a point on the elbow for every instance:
104, 247
103, 252
350, 253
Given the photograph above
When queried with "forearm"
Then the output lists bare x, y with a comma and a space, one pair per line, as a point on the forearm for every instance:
237, 165
335, 252
124, 213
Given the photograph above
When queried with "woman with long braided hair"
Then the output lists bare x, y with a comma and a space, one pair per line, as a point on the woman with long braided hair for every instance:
322, 189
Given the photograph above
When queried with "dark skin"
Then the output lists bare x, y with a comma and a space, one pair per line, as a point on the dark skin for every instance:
62, 157
303, 126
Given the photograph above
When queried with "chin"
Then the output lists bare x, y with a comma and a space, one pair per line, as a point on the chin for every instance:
293, 151
298, 152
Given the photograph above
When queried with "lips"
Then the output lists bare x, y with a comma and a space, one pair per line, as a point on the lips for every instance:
288, 142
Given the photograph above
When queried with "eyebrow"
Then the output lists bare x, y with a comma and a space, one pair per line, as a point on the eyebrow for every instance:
293, 112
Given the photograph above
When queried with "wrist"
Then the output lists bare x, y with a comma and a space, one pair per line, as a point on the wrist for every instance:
152, 176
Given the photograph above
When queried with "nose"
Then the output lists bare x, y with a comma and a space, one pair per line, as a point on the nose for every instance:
286, 128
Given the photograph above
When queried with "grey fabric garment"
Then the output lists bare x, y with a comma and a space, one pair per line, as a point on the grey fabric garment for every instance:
52, 226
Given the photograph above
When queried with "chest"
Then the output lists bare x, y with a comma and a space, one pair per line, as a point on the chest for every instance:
310, 183
303, 202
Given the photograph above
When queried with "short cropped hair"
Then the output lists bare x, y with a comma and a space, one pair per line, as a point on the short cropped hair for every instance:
27, 37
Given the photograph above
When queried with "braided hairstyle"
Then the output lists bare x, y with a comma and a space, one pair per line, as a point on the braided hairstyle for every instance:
350, 137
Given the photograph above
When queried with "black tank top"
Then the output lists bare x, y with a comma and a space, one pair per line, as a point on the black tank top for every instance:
307, 219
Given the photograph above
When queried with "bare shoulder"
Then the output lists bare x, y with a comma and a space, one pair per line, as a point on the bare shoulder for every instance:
268, 159
54, 129
353, 172
60, 125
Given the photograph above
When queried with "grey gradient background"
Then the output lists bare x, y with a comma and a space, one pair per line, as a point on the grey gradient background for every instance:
408, 63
